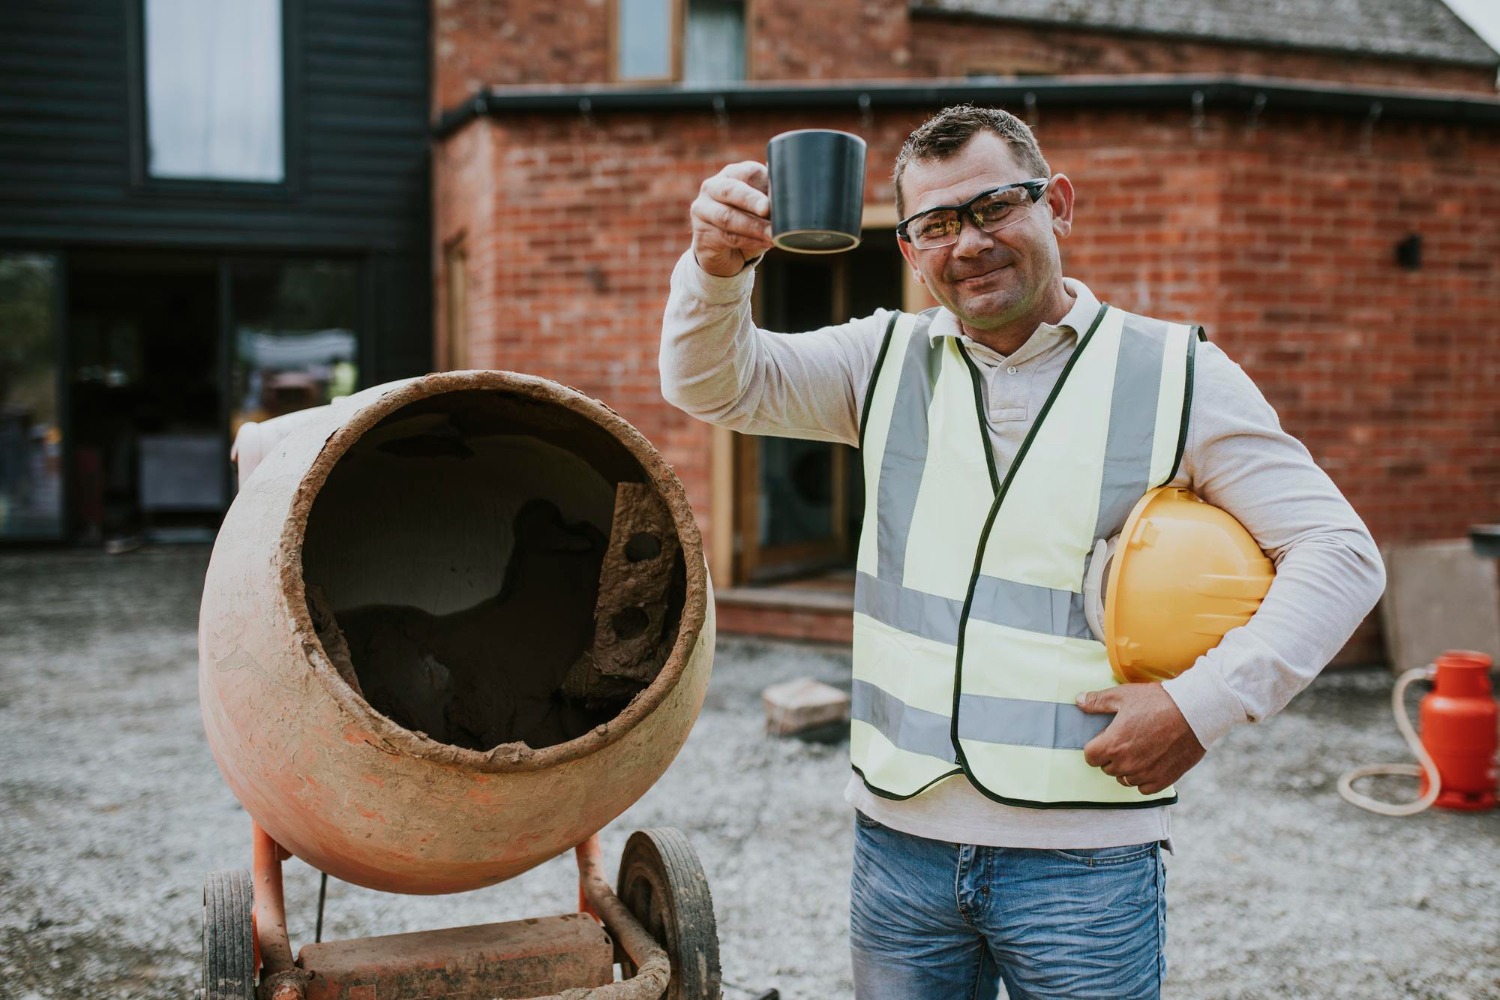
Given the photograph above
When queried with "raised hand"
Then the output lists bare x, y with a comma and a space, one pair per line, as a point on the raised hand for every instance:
732, 218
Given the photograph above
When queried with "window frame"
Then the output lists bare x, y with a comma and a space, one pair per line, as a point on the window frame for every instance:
453, 349
292, 101
679, 24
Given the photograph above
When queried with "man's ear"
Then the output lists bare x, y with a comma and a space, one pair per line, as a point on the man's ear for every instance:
910, 253
1060, 200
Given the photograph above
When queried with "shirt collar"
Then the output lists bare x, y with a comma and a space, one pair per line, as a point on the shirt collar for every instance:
1047, 335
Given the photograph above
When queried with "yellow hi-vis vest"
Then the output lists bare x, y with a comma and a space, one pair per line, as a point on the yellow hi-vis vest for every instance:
970, 642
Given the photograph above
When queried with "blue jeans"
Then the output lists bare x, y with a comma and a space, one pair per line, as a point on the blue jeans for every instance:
929, 920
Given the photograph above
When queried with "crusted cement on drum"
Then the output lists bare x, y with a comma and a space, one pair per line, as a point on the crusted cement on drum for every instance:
640, 597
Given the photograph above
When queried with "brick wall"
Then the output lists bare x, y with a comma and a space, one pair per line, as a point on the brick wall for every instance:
479, 43
829, 40
957, 47
1279, 238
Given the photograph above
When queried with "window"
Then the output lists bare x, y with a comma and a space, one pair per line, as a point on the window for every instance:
214, 90
643, 39
715, 41
696, 41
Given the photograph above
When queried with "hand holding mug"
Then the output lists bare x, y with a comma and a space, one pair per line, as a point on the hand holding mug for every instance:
732, 218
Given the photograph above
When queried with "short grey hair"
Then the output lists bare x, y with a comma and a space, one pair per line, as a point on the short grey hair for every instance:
948, 131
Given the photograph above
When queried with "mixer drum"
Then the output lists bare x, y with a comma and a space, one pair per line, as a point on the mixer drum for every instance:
452, 626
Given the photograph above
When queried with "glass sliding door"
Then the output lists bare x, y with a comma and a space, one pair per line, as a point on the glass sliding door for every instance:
294, 327
31, 431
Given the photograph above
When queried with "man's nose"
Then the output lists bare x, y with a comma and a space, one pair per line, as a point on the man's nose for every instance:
971, 239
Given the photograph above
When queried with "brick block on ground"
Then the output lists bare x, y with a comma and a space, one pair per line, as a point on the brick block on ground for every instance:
802, 705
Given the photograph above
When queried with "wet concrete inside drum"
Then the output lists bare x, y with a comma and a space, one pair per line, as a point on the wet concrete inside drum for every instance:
486, 569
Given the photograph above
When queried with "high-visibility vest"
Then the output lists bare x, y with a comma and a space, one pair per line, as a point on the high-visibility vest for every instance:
970, 642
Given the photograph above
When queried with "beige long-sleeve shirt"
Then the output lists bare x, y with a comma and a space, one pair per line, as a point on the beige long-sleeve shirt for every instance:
718, 366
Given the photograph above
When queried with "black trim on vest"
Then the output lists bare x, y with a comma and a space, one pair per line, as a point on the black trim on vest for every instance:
885, 344
984, 424
1029, 804
1187, 402
892, 796
1005, 800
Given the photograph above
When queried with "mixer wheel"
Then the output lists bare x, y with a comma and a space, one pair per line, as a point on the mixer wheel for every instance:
663, 885
228, 936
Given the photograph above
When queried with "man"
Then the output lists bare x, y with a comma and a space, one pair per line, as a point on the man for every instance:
987, 847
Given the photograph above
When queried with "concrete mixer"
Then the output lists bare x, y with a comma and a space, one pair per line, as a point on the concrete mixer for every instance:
451, 628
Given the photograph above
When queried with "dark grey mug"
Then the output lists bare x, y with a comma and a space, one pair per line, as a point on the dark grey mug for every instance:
817, 190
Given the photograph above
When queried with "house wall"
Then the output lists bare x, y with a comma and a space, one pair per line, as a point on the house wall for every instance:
523, 42
1278, 238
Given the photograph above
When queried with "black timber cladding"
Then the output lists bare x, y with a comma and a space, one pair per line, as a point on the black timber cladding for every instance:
358, 158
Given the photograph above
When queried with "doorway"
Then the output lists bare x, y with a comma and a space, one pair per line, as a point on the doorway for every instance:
148, 437
799, 504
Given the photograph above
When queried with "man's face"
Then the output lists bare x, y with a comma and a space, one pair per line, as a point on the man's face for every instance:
989, 280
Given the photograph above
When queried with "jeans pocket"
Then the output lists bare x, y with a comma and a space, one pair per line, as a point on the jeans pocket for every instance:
1100, 857
860, 819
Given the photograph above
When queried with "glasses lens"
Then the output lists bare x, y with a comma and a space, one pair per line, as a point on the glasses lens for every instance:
1001, 209
934, 229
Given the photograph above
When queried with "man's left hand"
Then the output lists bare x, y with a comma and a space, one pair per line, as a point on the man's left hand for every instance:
1149, 744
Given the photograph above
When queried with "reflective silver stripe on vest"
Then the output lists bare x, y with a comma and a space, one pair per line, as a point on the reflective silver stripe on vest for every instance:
1019, 722
1132, 421
912, 611
1005, 721
1001, 602
1030, 607
914, 730
905, 453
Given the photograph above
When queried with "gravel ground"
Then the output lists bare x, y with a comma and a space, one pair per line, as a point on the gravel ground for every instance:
111, 811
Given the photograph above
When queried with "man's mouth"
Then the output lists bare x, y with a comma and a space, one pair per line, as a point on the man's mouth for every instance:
979, 276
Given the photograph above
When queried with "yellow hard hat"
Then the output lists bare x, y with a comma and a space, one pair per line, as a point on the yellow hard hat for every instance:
1180, 575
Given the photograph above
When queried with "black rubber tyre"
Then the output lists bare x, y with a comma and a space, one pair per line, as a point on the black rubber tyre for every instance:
228, 936
663, 885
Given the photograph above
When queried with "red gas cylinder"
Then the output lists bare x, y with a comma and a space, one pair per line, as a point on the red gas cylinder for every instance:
1458, 730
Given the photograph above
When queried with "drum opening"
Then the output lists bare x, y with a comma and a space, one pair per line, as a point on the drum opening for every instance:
486, 567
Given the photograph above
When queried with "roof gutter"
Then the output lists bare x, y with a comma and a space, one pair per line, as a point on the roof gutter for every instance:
1195, 93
